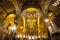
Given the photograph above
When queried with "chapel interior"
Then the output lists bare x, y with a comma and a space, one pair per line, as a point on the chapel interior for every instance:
29, 19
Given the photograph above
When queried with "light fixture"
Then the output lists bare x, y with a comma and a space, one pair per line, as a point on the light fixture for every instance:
33, 37
50, 14
50, 29
29, 37
12, 28
19, 36
36, 37
51, 22
39, 36
46, 20
24, 36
